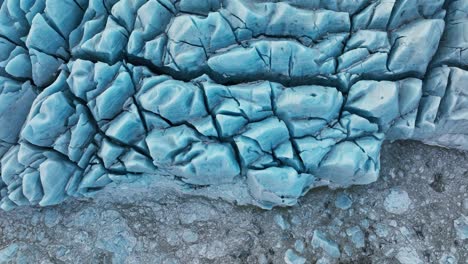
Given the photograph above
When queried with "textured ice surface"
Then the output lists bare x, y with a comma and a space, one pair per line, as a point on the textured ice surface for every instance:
279, 96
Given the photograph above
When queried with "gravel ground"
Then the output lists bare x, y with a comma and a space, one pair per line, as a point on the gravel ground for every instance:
417, 212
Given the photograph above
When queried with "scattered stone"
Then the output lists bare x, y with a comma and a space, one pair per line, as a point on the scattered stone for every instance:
172, 238
397, 202
295, 220
343, 201
85, 234
323, 260
357, 236
51, 218
281, 222
365, 223
405, 231
448, 259
465, 205
393, 223
381, 230
216, 249
189, 236
407, 255
299, 246
292, 258
319, 240
7, 253
461, 227
389, 252
348, 250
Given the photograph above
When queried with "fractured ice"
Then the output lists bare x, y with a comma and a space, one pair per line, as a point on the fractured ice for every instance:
284, 96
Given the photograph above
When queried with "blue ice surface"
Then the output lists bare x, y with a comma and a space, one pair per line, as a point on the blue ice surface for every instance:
279, 96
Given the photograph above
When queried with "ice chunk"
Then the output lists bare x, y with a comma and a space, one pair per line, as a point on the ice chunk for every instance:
397, 201
343, 201
274, 186
461, 227
357, 236
292, 258
319, 240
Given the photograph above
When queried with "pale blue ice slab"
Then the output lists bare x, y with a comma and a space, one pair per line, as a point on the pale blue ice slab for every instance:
280, 97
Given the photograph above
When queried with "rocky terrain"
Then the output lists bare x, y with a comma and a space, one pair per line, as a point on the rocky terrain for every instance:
415, 213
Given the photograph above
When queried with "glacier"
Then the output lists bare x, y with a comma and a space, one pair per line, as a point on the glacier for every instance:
281, 96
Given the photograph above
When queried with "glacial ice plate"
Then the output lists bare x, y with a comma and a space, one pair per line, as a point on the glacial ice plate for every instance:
281, 96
